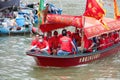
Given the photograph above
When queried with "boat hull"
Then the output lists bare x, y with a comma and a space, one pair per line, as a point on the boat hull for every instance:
6, 31
74, 60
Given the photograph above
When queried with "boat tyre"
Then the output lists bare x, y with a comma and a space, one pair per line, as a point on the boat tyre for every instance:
18, 28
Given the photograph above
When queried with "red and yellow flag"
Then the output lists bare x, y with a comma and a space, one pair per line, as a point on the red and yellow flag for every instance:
116, 13
93, 9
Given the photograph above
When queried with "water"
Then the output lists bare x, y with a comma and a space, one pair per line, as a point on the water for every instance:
16, 65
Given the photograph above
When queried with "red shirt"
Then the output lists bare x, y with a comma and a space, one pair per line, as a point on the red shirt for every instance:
116, 36
102, 44
66, 43
55, 41
49, 40
77, 38
87, 43
43, 44
34, 42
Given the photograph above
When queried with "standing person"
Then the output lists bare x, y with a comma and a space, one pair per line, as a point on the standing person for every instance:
66, 44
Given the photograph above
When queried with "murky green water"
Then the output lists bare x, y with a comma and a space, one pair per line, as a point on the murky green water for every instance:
16, 65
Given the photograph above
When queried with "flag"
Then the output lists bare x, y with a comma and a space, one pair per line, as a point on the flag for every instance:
93, 9
116, 13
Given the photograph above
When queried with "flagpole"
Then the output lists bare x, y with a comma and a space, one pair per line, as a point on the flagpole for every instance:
82, 33
40, 11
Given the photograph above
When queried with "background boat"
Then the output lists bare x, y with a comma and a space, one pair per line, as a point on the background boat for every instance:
24, 18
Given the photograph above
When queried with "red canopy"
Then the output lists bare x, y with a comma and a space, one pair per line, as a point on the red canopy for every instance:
92, 26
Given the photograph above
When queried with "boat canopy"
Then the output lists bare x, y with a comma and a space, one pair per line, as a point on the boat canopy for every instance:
92, 27
8, 3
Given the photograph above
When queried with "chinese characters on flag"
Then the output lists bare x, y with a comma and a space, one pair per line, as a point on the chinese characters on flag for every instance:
93, 9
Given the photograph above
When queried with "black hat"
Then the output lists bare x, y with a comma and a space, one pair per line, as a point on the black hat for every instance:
64, 32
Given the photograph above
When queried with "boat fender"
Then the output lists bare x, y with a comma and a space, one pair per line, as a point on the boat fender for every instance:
26, 25
18, 28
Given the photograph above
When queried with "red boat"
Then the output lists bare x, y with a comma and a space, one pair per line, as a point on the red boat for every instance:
73, 60
92, 27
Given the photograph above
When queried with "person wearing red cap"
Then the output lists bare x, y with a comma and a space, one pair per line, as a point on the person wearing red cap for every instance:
66, 44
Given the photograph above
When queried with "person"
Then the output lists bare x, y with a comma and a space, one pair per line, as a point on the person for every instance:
66, 44
55, 41
116, 36
77, 37
88, 44
102, 42
42, 45
35, 40
119, 35
48, 38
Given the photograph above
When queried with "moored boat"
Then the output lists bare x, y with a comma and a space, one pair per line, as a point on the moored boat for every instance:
15, 19
91, 27
23, 26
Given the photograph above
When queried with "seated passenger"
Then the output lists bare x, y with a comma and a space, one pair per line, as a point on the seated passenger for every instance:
102, 43
119, 35
116, 36
111, 39
88, 44
66, 44
55, 41
77, 37
96, 43
42, 45
48, 38
35, 40
69, 34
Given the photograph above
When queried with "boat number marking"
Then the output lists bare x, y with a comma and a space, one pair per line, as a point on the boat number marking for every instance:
88, 58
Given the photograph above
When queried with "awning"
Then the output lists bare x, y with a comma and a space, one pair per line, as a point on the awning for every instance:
55, 21
51, 26
91, 28
65, 19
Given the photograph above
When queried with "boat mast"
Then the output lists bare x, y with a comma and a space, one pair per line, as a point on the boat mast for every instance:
82, 33
116, 10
